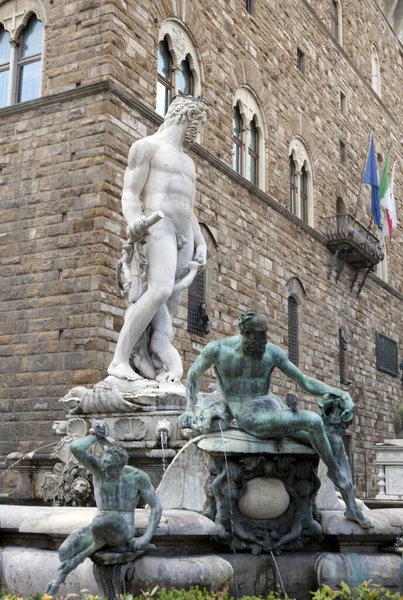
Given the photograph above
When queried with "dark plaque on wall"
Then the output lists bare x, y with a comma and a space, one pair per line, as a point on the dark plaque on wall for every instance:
386, 354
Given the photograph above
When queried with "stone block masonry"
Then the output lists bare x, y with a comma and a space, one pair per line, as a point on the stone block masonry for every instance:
62, 159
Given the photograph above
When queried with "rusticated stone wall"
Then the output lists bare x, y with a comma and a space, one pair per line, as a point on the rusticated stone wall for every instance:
62, 159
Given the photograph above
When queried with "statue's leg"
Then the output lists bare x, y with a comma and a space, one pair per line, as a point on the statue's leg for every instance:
161, 345
162, 330
77, 542
296, 530
278, 423
161, 251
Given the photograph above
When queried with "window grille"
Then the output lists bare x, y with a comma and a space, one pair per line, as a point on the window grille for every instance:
343, 358
197, 315
293, 342
386, 355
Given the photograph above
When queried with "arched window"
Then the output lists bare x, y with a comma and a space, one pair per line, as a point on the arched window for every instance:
293, 341
29, 61
248, 135
301, 181
4, 65
335, 20
304, 194
253, 153
237, 144
179, 69
21, 45
185, 85
293, 187
376, 70
164, 78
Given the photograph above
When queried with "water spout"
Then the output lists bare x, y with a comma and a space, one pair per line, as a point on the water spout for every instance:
27, 455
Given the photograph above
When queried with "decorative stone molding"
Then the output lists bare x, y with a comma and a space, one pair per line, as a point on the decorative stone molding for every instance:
15, 15
295, 288
129, 429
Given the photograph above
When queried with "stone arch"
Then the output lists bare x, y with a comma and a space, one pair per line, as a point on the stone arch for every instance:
297, 126
341, 192
186, 14
299, 152
15, 22
295, 288
246, 74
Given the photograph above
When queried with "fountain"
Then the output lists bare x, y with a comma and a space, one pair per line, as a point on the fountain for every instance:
246, 501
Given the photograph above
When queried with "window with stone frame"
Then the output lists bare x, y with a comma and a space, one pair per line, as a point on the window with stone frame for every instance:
248, 137
21, 47
335, 20
376, 70
301, 181
178, 65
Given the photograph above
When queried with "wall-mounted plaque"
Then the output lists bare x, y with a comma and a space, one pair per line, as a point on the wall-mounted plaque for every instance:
386, 354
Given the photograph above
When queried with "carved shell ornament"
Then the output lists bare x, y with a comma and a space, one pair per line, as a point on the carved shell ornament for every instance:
77, 428
129, 429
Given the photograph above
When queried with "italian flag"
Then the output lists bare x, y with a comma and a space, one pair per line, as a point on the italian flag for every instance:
387, 200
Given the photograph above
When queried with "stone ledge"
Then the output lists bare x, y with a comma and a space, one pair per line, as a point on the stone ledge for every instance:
50, 520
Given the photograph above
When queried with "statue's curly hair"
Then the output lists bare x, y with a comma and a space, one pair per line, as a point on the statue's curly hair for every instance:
121, 459
252, 316
183, 108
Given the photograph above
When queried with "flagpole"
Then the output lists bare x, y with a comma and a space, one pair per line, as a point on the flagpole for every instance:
361, 178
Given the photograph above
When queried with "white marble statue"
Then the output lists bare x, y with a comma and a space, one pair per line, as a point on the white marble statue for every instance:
165, 237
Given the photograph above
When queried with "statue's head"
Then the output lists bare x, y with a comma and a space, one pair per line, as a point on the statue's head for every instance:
81, 488
189, 110
113, 461
253, 328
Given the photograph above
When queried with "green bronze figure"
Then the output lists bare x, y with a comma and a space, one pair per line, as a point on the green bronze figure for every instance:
117, 488
244, 364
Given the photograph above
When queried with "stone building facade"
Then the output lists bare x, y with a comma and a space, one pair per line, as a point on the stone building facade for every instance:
311, 69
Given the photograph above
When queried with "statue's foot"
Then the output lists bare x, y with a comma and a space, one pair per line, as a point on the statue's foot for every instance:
52, 588
123, 371
168, 376
355, 514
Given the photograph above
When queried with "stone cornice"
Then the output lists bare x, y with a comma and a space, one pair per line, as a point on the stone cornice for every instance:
114, 88
350, 62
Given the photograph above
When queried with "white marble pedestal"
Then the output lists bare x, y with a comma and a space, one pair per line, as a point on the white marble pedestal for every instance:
389, 458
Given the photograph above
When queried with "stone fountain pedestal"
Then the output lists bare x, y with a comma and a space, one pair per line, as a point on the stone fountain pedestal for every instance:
140, 416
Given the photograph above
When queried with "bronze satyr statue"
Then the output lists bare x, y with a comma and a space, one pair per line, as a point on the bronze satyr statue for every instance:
244, 364
117, 488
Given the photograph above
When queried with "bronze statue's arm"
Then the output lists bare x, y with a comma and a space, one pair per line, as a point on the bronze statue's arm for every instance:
309, 384
148, 492
203, 362
79, 451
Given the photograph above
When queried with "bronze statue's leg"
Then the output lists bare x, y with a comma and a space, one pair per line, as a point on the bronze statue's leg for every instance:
280, 423
296, 530
75, 558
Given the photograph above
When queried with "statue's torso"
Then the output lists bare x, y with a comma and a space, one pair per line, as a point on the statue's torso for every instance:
243, 378
170, 185
121, 494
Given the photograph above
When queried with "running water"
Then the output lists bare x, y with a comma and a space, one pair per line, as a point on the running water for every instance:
25, 456
230, 511
164, 446
279, 575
